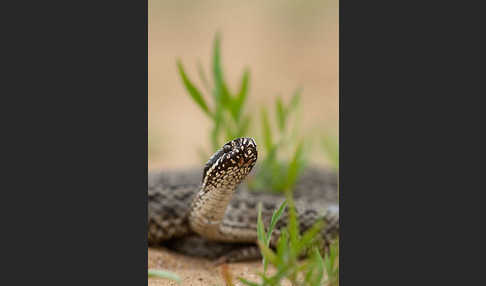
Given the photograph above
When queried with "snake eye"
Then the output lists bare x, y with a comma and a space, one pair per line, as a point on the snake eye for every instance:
227, 148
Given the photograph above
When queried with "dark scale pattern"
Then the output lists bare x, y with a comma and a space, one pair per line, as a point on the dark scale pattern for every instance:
224, 171
171, 195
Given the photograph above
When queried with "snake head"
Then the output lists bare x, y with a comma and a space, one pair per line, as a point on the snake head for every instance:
233, 161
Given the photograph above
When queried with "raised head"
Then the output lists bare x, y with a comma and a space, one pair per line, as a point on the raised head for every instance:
232, 163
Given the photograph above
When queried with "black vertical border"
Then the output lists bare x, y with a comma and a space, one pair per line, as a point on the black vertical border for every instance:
74, 201
370, 125
409, 129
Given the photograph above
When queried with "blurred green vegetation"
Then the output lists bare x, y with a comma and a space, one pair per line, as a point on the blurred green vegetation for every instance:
291, 246
274, 172
230, 120
227, 112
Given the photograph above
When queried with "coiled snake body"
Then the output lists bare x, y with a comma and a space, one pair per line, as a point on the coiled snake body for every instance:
216, 217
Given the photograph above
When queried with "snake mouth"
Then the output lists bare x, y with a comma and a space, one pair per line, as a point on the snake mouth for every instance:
238, 154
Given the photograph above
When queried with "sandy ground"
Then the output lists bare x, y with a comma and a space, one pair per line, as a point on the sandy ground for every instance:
196, 272
285, 44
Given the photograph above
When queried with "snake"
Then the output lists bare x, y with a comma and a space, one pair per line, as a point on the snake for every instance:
216, 216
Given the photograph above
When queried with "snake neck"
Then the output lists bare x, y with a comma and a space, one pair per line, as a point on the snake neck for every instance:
225, 170
208, 210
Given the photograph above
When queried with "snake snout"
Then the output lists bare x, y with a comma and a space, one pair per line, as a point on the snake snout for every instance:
240, 152
236, 158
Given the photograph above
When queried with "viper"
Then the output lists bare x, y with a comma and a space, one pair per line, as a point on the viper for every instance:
216, 216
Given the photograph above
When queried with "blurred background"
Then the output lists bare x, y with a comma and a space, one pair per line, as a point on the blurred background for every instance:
284, 44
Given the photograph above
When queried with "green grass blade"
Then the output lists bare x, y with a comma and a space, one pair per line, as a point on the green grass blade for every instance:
217, 72
267, 132
319, 264
334, 251
203, 77
283, 239
193, 91
230, 127
294, 102
164, 274
281, 273
261, 235
333, 263
243, 126
309, 236
267, 280
293, 225
215, 134
294, 167
281, 113
328, 267
275, 218
222, 93
240, 99
309, 269
260, 226
218, 121
268, 253
283, 246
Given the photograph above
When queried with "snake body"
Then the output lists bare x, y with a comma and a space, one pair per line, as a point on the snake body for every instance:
218, 213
